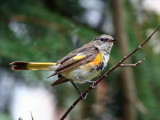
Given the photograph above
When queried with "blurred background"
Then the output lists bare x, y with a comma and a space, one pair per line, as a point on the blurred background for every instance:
46, 30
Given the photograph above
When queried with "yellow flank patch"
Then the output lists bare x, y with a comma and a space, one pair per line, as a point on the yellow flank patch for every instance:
97, 60
79, 57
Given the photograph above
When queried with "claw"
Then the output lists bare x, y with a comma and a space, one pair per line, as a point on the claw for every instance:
93, 85
83, 96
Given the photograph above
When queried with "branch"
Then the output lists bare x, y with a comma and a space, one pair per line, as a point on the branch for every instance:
132, 65
107, 73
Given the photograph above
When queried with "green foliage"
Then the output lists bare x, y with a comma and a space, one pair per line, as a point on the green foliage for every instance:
4, 116
31, 31
147, 74
47, 29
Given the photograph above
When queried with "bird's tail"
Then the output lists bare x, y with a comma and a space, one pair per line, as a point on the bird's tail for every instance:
48, 66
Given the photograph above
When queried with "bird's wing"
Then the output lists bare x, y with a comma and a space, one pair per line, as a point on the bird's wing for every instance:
59, 81
76, 58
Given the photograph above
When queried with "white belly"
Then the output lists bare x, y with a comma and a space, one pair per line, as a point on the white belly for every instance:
84, 75
79, 74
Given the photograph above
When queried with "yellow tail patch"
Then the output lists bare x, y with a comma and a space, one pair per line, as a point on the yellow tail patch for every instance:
18, 66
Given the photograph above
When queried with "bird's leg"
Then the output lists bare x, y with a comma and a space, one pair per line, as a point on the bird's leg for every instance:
89, 81
93, 83
82, 95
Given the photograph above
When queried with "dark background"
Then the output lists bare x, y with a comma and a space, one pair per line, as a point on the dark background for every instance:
46, 30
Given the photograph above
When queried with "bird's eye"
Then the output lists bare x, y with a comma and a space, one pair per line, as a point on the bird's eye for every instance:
104, 39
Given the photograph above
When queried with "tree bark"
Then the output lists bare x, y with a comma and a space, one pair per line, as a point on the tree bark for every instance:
126, 80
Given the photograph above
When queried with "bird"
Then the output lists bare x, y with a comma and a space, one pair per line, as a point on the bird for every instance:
79, 66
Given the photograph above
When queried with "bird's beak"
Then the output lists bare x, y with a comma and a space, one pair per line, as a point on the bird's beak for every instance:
113, 40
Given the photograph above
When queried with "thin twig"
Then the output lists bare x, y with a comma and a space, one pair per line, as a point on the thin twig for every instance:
106, 74
132, 65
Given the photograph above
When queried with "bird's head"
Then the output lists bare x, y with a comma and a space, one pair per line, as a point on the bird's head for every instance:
104, 42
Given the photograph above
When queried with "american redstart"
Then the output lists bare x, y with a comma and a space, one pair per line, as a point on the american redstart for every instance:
80, 66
